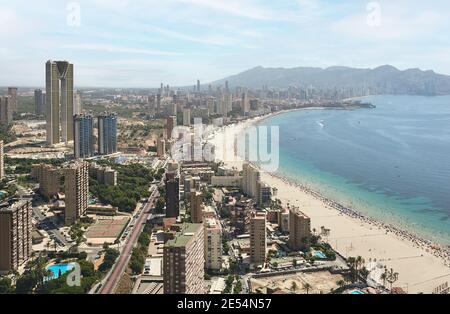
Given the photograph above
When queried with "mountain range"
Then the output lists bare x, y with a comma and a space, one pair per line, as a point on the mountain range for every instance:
385, 79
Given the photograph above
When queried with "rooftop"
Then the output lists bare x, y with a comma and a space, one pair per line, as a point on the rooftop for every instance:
183, 237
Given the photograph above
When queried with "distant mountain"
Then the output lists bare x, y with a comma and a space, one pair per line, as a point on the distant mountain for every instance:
384, 79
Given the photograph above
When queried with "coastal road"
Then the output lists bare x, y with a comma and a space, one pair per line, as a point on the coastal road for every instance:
119, 267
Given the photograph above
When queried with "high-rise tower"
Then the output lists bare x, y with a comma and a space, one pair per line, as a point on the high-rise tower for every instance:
59, 101
107, 134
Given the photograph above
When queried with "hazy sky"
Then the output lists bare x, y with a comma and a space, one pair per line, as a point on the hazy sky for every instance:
139, 43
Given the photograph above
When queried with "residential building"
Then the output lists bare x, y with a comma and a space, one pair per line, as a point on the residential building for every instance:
184, 261
172, 195
77, 107
83, 144
245, 106
299, 230
264, 194
186, 116
258, 242
2, 161
6, 112
15, 234
196, 207
251, 180
103, 175
213, 244
12, 92
76, 181
59, 101
161, 148
49, 179
38, 102
171, 123
107, 134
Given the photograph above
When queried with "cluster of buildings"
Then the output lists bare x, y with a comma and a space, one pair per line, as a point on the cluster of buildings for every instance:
194, 232
65, 121
84, 135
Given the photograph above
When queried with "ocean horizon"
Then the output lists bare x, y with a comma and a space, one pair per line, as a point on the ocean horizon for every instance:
389, 163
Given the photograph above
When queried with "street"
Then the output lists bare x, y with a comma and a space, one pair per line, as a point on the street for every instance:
113, 277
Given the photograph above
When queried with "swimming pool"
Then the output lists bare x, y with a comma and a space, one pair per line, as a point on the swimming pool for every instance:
320, 254
356, 292
59, 269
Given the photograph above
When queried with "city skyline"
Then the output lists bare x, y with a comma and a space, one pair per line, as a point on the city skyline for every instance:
209, 40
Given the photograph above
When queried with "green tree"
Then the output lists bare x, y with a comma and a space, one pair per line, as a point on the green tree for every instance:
294, 287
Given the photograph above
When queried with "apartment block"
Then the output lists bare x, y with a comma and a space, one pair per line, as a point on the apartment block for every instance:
76, 183
258, 241
184, 261
15, 234
196, 207
213, 244
299, 229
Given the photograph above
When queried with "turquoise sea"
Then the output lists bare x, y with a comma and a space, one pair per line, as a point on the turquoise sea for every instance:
391, 163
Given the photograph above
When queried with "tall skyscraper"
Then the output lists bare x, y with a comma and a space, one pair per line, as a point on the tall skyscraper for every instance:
6, 112
258, 242
186, 116
158, 103
251, 180
77, 108
15, 234
171, 123
83, 143
213, 244
161, 148
172, 195
198, 86
196, 207
245, 105
76, 184
184, 261
299, 230
59, 101
38, 102
2, 161
12, 92
107, 134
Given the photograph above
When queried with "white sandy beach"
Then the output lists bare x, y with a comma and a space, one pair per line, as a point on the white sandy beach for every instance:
419, 270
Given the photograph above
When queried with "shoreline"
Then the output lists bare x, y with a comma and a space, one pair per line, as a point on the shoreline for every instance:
359, 232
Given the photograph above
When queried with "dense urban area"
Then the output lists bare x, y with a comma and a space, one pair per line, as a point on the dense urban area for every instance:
93, 202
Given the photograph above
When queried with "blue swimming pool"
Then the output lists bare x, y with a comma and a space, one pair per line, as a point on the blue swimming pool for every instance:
59, 270
356, 292
320, 254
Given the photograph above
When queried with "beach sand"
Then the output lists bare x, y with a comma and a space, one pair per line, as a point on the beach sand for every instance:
419, 270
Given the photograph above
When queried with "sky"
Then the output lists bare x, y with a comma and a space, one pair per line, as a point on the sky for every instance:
141, 43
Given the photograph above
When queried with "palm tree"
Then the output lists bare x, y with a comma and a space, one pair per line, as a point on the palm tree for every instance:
294, 287
359, 265
352, 263
307, 287
384, 277
391, 277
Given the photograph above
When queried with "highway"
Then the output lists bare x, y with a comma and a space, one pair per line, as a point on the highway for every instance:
113, 277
